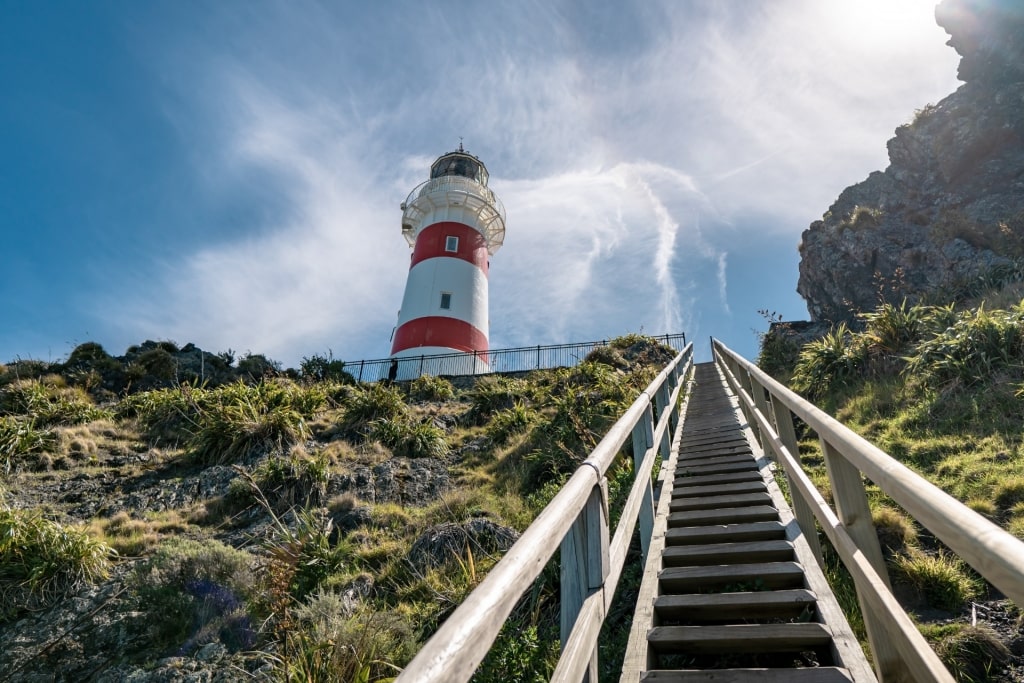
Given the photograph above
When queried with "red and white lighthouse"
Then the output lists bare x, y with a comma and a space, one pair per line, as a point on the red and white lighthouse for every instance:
453, 223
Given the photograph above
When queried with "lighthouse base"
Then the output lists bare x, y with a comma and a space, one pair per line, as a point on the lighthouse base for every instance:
438, 360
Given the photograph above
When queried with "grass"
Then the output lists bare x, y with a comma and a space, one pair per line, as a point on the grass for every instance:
41, 560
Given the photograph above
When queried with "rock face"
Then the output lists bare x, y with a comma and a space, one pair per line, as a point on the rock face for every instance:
948, 212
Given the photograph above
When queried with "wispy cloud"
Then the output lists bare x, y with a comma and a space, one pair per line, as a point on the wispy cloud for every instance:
625, 165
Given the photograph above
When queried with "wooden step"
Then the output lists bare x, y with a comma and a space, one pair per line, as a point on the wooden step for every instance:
729, 607
725, 533
716, 460
737, 488
722, 468
764, 575
682, 484
739, 515
727, 553
742, 638
818, 674
709, 451
727, 501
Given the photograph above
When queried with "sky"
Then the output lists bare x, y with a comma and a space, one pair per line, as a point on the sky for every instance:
229, 173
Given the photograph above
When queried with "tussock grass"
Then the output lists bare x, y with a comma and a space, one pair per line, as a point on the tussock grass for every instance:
41, 560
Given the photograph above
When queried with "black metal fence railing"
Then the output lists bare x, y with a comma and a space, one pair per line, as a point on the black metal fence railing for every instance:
519, 359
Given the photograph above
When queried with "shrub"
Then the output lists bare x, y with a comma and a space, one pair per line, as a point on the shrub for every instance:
978, 344
431, 388
297, 480
835, 359
48, 401
411, 439
973, 654
228, 431
20, 437
372, 402
607, 355
336, 641
515, 420
318, 368
895, 530
891, 329
41, 561
493, 393
198, 593
942, 580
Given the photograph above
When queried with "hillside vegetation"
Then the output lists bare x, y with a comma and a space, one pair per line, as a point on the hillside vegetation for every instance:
941, 389
173, 515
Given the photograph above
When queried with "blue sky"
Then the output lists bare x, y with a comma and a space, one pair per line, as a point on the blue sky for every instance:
229, 173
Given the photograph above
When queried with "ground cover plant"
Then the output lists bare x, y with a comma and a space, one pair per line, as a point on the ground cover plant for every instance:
940, 389
298, 524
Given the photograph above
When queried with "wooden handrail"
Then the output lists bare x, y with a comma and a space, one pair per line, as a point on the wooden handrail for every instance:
899, 649
576, 515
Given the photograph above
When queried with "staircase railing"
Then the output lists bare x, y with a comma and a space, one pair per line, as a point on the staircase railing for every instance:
900, 652
591, 562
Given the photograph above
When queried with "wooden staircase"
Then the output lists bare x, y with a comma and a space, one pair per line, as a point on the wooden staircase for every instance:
732, 592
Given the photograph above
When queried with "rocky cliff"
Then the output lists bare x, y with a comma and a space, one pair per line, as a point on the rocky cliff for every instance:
947, 215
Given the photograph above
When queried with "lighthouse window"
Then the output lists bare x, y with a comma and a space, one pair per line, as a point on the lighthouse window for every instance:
451, 243
446, 300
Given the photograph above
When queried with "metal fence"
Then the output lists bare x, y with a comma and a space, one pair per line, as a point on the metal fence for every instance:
519, 359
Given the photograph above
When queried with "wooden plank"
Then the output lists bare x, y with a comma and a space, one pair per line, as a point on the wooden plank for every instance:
711, 468
768, 575
724, 533
726, 607
753, 486
727, 553
819, 674
742, 638
716, 459
681, 484
739, 515
729, 501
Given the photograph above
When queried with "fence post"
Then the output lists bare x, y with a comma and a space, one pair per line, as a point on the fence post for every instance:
538, 356
361, 371
585, 564
851, 503
662, 395
787, 435
643, 438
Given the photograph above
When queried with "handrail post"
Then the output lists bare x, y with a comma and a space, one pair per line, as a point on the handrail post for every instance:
662, 396
783, 419
854, 513
643, 440
585, 564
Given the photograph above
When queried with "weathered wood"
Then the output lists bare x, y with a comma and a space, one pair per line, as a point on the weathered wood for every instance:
718, 607
739, 638
787, 435
753, 486
737, 515
681, 484
643, 440
727, 553
725, 501
638, 657
819, 674
723, 533
683, 470
745, 576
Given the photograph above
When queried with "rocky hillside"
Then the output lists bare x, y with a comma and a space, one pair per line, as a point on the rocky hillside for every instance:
946, 218
276, 525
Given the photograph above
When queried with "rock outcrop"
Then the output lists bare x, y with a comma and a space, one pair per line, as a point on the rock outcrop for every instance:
947, 215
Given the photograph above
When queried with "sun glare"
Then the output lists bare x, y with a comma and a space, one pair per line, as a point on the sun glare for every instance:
883, 21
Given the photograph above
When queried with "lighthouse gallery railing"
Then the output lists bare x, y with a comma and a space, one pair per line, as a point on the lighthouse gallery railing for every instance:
517, 359
591, 563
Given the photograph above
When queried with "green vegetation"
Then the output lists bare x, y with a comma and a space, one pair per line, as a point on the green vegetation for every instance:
941, 389
327, 524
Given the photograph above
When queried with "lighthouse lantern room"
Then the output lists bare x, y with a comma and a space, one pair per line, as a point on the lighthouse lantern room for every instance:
454, 223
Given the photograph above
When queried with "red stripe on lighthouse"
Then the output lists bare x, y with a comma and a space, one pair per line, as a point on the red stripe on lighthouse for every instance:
436, 330
430, 243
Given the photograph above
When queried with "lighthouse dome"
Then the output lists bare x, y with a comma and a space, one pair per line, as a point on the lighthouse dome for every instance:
459, 163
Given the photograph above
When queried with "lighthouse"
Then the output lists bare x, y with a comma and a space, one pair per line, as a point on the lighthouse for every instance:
454, 224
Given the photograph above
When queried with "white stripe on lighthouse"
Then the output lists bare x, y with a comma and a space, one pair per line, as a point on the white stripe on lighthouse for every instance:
429, 279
